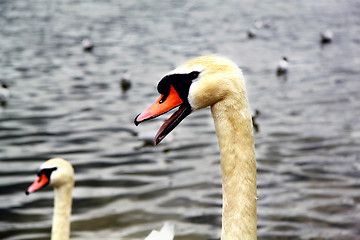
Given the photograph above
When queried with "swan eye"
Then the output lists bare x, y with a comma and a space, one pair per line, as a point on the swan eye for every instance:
194, 74
163, 99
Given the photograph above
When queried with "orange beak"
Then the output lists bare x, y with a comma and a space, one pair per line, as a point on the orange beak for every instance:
161, 106
41, 181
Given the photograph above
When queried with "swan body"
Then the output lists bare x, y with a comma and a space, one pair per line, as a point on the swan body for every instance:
217, 82
59, 174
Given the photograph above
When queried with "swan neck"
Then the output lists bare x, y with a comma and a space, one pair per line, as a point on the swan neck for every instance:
234, 129
62, 211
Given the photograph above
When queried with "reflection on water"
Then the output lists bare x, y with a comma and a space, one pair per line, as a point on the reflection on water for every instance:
68, 103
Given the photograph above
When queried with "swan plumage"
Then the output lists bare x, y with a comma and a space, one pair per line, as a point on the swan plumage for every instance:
217, 82
165, 233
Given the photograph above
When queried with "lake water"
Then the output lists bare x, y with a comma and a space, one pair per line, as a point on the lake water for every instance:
67, 103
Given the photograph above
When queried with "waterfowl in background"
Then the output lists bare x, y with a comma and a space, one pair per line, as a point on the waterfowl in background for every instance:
217, 82
87, 45
251, 33
125, 82
326, 36
59, 174
4, 94
254, 116
282, 67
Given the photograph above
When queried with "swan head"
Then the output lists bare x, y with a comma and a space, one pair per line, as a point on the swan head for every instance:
196, 84
55, 172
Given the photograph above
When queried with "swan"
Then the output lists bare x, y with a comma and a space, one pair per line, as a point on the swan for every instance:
59, 174
326, 36
251, 33
87, 45
282, 67
217, 82
125, 82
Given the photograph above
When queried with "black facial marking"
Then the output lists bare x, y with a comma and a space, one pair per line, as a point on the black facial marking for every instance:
46, 171
180, 81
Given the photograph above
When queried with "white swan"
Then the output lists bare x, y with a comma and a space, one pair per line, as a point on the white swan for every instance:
283, 66
87, 45
217, 82
125, 82
326, 36
59, 174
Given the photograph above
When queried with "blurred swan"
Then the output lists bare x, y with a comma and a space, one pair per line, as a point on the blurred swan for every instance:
282, 67
87, 45
125, 82
4, 94
217, 82
251, 33
258, 24
59, 174
326, 36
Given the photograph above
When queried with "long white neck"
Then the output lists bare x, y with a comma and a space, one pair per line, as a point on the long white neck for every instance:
238, 165
62, 211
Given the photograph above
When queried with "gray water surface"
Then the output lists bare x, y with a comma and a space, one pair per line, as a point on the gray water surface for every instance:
68, 103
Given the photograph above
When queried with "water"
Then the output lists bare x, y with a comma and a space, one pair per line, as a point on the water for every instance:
67, 103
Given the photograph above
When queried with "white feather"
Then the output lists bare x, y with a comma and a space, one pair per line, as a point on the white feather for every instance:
166, 233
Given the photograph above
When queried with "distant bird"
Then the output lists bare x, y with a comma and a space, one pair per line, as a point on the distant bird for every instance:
125, 82
258, 24
87, 45
59, 174
4, 94
253, 118
251, 33
282, 67
326, 36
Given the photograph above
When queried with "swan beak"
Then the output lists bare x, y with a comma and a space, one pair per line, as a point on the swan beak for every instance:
41, 181
161, 106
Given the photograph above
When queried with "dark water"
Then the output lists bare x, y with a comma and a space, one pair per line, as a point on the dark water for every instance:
67, 103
